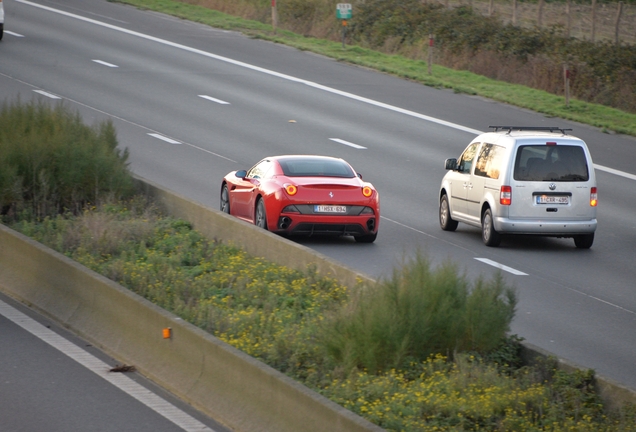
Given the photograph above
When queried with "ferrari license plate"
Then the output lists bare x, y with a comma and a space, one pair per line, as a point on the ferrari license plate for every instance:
330, 209
553, 199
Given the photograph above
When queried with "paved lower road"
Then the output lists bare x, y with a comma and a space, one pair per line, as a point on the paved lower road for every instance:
52, 381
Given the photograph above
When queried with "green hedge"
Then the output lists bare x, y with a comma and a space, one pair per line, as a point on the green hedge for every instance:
51, 162
602, 72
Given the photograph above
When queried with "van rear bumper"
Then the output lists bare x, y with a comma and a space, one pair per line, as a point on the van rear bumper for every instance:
544, 227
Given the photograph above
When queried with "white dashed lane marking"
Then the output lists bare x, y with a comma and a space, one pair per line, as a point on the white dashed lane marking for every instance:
347, 143
502, 267
210, 98
47, 94
102, 62
164, 138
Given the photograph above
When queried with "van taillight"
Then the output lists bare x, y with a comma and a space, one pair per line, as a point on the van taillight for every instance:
593, 197
505, 195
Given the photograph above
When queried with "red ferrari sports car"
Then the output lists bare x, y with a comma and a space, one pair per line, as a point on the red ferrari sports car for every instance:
304, 195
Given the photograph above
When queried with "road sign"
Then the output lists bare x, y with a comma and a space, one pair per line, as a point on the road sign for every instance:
344, 11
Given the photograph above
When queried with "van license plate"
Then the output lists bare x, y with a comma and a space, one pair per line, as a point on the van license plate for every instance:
330, 209
553, 199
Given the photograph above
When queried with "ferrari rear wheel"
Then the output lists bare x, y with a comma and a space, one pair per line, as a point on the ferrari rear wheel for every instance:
225, 200
369, 238
260, 217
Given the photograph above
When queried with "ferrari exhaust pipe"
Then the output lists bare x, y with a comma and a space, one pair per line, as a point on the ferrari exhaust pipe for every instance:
284, 222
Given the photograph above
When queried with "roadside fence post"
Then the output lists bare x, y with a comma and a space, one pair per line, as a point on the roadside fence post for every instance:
566, 77
619, 12
431, 43
274, 15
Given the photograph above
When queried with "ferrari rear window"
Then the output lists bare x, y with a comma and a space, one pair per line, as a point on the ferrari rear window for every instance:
316, 168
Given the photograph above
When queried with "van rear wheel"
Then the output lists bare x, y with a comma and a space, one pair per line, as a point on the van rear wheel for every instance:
584, 241
488, 233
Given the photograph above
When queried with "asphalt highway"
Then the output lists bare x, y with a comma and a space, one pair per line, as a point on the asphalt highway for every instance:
193, 103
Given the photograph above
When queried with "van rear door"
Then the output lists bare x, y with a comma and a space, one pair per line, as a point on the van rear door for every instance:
552, 181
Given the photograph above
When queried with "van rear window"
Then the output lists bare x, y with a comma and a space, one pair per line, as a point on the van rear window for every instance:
551, 163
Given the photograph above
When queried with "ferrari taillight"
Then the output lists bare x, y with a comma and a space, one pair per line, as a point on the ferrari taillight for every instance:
593, 197
505, 195
367, 191
291, 189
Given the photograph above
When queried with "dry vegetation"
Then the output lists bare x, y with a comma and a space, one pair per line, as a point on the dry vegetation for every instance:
478, 36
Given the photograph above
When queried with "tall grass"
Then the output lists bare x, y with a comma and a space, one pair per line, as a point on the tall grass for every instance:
283, 316
51, 162
420, 312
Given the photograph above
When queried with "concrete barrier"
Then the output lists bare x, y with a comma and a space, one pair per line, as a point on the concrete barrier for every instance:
221, 381
216, 225
258, 242
224, 383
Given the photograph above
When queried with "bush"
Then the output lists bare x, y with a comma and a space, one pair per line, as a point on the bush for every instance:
275, 314
601, 72
50, 162
419, 312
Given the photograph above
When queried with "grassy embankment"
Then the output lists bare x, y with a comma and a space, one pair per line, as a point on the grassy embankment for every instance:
423, 350
603, 117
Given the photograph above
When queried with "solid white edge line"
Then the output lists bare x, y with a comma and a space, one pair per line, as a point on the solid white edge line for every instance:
615, 172
347, 143
119, 380
286, 77
47, 94
102, 62
257, 69
164, 138
502, 267
13, 34
210, 98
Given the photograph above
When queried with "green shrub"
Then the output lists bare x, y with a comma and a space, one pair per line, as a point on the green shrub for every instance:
274, 314
602, 72
419, 312
50, 162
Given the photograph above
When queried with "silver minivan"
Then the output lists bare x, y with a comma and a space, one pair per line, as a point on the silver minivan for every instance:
522, 180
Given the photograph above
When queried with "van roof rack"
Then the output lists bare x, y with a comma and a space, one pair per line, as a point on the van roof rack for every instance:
530, 128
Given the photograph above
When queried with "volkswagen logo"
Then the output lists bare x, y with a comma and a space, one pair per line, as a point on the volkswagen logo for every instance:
552, 186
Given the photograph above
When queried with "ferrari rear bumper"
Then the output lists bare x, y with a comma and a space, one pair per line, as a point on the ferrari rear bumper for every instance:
330, 226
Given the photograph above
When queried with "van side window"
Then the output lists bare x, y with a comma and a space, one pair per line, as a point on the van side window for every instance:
466, 160
490, 161
551, 163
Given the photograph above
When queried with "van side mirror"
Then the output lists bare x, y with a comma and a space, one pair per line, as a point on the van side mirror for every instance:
241, 174
450, 164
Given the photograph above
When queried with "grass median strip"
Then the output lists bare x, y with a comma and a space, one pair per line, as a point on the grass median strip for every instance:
347, 343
